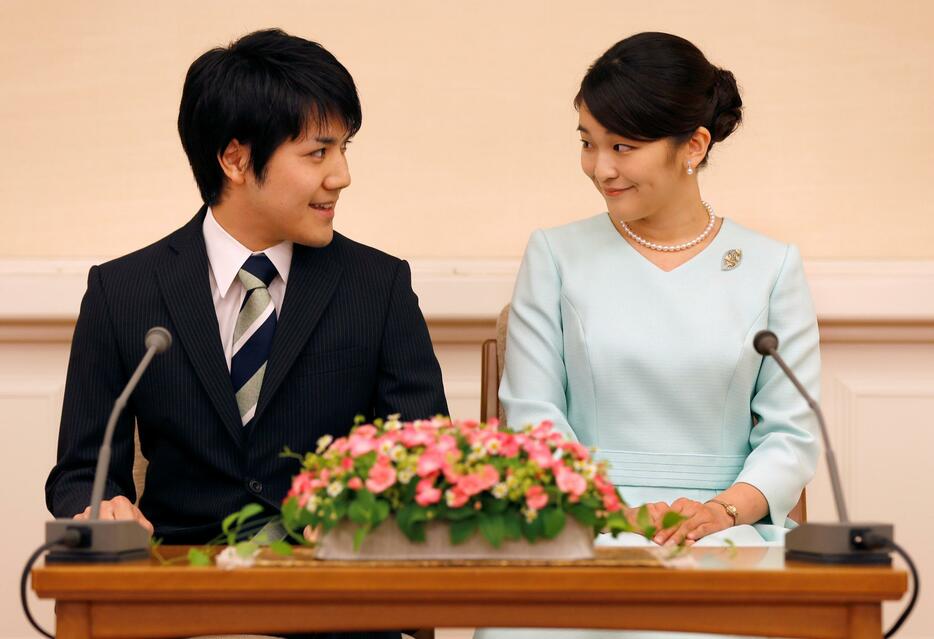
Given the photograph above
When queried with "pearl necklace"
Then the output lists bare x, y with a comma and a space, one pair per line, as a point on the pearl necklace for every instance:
674, 247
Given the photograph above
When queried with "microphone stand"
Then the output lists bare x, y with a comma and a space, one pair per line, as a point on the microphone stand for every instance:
844, 542
100, 540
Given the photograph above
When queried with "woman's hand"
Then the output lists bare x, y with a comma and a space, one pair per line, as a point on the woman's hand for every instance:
700, 520
656, 510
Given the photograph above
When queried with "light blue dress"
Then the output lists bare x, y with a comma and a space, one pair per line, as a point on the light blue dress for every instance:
656, 369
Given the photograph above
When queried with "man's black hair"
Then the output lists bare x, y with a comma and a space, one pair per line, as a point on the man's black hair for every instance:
262, 90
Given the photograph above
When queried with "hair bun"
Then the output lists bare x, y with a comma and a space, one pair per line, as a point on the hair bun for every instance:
727, 106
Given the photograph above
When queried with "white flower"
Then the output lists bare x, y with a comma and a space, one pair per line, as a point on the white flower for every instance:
477, 447
323, 443
590, 471
397, 453
335, 488
405, 475
229, 558
385, 446
500, 490
493, 446
530, 514
313, 503
392, 422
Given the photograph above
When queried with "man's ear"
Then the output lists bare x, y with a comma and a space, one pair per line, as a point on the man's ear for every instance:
235, 161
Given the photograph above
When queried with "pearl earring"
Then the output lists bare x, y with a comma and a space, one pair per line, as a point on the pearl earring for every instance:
690, 169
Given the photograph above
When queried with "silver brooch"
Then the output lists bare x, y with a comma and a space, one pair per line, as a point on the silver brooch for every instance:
731, 259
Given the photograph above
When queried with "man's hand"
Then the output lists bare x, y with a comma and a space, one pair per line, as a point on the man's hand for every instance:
701, 520
118, 508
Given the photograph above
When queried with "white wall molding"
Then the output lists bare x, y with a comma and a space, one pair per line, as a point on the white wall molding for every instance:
860, 292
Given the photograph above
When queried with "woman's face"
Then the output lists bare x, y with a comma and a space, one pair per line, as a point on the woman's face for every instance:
637, 179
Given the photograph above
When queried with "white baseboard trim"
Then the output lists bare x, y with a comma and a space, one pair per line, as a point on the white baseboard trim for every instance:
466, 289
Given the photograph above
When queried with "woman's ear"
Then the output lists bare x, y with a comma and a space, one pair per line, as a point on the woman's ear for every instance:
235, 161
696, 149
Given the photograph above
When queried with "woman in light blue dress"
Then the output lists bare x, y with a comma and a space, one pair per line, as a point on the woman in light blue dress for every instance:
632, 330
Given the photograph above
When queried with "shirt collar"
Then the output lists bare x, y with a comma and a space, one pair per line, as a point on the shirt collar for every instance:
226, 255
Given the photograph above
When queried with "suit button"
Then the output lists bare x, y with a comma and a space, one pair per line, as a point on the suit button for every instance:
256, 486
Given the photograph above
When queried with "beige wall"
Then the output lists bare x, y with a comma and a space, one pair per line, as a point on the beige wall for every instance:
468, 140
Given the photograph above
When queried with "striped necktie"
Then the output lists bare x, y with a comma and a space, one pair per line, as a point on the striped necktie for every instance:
252, 338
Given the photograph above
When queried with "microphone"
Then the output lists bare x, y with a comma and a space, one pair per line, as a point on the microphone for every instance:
840, 543
108, 540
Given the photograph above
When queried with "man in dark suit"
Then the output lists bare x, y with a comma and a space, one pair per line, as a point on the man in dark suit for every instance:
284, 330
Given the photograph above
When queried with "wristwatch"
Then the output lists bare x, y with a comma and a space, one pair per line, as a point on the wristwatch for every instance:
729, 508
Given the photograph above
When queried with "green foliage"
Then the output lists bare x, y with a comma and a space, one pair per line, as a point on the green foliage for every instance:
493, 527
197, 557
553, 522
463, 529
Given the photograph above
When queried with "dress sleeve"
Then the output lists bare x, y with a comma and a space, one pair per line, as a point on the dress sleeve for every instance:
785, 440
534, 382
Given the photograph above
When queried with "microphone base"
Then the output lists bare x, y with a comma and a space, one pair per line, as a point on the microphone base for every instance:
102, 541
838, 543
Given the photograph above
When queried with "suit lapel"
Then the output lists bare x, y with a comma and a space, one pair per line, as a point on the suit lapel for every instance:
313, 278
187, 293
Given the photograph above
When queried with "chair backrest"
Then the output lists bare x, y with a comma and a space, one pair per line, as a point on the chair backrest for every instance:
492, 358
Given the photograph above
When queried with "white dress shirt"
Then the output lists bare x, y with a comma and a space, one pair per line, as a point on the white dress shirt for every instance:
225, 257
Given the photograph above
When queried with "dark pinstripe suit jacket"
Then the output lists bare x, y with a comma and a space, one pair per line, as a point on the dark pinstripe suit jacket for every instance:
350, 340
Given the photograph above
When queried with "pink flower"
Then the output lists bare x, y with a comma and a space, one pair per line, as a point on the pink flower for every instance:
569, 482
361, 445
478, 482
539, 453
340, 445
381, 477
603, 486
367, 430
354, 483
536, 498
543, 430
431, 461
577, 449
508, 445
611, 502
456, 498
425, 492
347, 464
411, 437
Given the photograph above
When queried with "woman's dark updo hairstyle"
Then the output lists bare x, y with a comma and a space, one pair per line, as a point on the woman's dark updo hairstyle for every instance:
657, 85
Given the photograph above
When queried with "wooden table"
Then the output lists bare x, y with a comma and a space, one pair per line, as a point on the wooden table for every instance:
725, 592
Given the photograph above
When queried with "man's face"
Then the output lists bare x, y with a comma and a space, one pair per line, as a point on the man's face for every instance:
303, 181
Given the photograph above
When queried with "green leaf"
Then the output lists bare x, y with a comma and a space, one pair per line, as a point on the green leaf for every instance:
290, 509
360, 513
649, 532
282, 548
463, 529
533, 530
552, 522
358, 537
248, 511
198, 557
228, 522
457, 514
672, 519
493, 528
644, 519
380, 512
246, 549
512, 525
617, 523
584, 514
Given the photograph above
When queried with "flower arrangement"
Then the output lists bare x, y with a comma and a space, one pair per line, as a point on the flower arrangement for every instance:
508, 485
